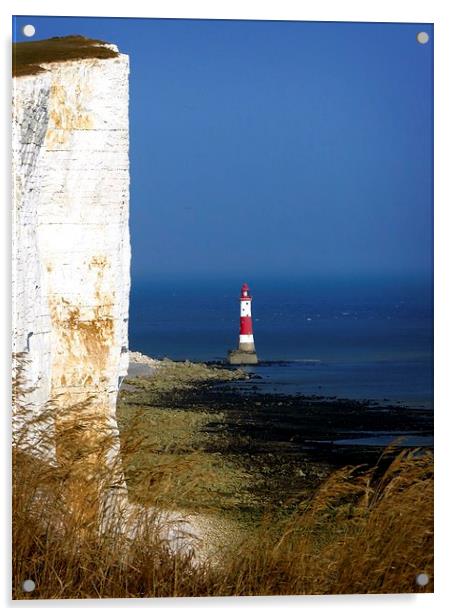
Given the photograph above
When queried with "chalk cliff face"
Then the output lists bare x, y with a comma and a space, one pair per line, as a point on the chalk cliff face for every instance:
71, 251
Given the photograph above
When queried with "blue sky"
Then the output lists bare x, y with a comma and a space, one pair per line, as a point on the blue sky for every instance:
281, 149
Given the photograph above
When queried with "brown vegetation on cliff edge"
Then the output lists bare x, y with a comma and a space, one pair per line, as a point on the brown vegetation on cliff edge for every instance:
28, 56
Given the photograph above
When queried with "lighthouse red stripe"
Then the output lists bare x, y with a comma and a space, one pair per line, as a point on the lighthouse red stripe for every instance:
246, 326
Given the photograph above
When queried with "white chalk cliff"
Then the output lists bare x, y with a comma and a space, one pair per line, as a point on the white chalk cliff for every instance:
71, 250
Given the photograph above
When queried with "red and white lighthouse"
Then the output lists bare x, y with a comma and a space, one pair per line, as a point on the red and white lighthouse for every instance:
246, 339
246, 353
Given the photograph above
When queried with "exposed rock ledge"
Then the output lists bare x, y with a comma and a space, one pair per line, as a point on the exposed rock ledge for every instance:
139, 358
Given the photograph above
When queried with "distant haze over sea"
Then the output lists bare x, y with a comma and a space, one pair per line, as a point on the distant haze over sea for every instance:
351, 338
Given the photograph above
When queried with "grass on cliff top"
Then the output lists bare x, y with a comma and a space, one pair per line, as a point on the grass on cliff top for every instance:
29, 55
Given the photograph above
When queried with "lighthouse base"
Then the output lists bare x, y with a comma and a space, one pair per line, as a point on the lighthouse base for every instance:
237, 358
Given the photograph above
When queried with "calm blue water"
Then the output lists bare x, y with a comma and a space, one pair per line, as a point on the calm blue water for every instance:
364, 340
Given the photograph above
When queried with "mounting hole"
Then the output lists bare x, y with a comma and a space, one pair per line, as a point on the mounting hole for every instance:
28, 586
422, 38
422, 579
28, 30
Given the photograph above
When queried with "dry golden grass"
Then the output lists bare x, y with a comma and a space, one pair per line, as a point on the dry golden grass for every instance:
364, 531
359, 534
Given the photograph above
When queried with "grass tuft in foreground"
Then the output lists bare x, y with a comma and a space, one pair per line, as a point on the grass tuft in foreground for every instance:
363, 531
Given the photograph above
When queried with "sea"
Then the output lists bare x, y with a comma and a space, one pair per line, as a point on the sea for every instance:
361, 339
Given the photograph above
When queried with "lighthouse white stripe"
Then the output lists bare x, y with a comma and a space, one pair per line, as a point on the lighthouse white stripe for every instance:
246, 338
245, 309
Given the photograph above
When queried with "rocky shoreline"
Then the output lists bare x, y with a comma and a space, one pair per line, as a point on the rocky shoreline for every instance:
266, 450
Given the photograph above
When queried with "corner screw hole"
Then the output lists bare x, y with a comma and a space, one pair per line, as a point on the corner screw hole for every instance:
28, 30
422, 579
28, 586
422, 38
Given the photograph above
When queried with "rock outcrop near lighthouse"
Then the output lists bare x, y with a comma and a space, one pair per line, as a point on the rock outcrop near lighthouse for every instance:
71, 250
